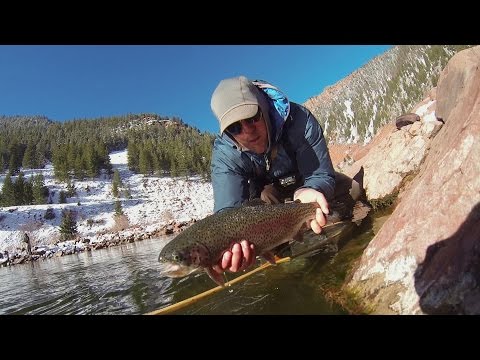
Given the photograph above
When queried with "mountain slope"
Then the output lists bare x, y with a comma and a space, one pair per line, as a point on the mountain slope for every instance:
353, 109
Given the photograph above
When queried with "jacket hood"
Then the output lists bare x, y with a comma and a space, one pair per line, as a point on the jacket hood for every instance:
279, 109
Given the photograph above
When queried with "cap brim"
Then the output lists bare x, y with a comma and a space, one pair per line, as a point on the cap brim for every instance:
238, 113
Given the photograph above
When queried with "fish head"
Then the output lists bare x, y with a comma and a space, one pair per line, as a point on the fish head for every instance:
182, 261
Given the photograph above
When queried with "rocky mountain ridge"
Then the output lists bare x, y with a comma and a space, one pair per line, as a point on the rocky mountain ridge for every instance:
356, 107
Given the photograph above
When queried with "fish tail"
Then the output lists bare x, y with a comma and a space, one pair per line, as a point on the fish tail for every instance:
360, 211
340, 211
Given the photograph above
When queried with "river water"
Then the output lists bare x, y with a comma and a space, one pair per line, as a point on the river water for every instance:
125, 280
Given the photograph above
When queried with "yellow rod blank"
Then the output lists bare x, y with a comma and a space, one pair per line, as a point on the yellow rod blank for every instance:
193, 299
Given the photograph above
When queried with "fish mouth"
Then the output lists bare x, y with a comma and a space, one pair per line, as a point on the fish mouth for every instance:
176, 270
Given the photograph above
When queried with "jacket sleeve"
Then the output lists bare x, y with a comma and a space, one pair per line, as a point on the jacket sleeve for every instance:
312, 156
229, 181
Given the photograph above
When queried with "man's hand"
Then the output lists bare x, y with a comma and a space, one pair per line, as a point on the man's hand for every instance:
306, 195
239, 258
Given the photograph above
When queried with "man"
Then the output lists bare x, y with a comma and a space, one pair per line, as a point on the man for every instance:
28, 246
269, 147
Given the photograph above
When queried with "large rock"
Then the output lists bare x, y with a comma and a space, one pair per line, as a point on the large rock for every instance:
426, 257
406, 119
453, 79
395, 154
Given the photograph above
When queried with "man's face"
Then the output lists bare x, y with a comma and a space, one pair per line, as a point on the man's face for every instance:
251, 133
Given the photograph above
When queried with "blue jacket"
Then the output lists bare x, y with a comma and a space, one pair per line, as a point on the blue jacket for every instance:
299, 148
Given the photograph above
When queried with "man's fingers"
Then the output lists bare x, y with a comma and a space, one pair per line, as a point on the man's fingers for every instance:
236, 257
317, 229
320, 217
226, 260
240, 257
323, 204
247, 253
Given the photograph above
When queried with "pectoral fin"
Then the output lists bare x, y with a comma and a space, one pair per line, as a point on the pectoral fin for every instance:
215, 276
298, 237
270, 257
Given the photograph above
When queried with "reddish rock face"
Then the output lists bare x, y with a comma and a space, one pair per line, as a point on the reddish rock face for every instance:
428, 251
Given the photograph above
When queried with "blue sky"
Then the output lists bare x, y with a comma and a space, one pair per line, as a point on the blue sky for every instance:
65, 82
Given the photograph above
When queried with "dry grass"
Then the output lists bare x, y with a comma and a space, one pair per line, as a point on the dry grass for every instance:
31, 226
55, 239
121, 223
166, 216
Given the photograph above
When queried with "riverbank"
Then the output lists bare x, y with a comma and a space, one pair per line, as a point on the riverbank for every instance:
84, 244
151, 206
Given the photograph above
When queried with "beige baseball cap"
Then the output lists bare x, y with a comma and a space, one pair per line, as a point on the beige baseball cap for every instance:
235, 99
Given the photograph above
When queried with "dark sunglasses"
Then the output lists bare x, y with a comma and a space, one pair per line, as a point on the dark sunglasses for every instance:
236, 127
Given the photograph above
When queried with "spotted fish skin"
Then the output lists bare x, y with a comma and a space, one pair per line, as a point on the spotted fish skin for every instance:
266, 226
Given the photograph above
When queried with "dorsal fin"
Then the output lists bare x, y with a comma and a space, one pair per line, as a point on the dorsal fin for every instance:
254, 202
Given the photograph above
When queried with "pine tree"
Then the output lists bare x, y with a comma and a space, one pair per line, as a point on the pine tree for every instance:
173, 168
2, 162
145, 162
19, 190
72, 152
132, 155
49, 214
117, 178
68, 227
106, 162
28, 192
62, 197
118, 208
14, 161
28, 161
60, 167
40, 191
91, 161
71, 190
115, 188
116, 183
128, 192
8, 191
181, 160
79, 169
40, 155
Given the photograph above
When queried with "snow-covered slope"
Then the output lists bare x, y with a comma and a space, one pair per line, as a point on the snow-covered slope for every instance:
153, 203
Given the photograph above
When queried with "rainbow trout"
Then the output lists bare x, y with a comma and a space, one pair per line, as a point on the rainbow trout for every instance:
201, 245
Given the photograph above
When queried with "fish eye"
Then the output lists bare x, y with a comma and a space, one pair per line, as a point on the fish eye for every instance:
176, 257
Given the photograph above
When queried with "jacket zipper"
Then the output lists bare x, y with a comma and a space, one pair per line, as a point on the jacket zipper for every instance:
267, 162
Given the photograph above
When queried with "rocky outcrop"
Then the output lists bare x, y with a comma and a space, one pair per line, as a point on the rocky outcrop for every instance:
426, 257
395, 154
406, 119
